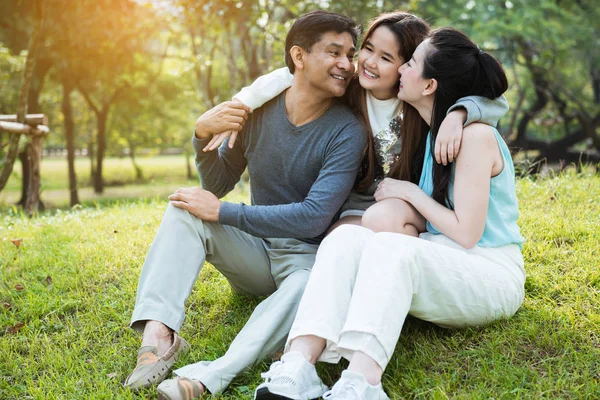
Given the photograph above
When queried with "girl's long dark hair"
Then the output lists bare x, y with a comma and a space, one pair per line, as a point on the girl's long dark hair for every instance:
410, 30
460, 69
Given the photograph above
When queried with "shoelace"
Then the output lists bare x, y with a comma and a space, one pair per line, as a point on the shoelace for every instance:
347, 391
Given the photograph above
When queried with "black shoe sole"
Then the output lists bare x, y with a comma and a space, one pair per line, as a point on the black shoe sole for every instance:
264, 394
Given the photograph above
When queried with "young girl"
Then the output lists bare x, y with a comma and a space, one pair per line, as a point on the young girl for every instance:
466, 270
389, 41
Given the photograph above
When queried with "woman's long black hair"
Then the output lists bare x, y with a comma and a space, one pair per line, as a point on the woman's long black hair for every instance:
461, 69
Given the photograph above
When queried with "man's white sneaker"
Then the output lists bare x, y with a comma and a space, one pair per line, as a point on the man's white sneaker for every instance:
354, 386
292, 378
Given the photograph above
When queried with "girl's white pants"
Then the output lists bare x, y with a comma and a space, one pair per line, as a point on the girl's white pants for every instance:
364, 284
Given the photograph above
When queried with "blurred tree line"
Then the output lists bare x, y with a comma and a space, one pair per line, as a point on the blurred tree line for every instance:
123, 74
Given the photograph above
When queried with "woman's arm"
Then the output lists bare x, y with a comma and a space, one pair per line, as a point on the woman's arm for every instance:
478, 161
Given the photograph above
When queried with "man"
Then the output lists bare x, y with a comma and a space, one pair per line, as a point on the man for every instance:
302, 150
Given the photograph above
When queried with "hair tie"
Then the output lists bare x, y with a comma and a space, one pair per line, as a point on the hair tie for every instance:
480, 51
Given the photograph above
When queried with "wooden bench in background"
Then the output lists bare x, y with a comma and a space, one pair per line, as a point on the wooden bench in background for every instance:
36, 129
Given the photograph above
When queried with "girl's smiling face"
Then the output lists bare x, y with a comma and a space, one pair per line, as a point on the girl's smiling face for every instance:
378, 63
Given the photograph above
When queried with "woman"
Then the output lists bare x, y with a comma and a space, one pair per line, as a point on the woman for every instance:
466, 270
389, 41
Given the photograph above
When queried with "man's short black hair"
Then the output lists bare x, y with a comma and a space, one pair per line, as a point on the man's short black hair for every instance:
310, 28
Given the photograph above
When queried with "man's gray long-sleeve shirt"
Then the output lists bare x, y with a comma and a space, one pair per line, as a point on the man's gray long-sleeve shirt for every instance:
299, 175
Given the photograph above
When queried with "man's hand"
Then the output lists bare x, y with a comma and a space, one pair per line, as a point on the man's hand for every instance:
227, 116
447, 143
199, 202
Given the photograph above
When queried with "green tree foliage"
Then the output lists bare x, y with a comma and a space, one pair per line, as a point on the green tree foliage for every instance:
121, 75
10, 67
550, 49
120, 53
99, 48
152, 117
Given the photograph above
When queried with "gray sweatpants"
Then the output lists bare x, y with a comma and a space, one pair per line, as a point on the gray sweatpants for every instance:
275, 267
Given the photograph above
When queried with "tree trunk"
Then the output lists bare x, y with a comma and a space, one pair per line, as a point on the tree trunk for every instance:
251, 51
203, 77
521, 93
91, 153
40, 70
30, 189
69, 125
187, 156
13, 141
32, 202
25, 172
595, 72
521, 139
101, 122
540, 84
11, 155
139, 174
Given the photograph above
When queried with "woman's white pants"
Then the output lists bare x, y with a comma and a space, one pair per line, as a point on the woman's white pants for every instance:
364, 284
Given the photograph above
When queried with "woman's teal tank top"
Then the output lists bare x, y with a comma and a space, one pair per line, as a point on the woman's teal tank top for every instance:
501, 222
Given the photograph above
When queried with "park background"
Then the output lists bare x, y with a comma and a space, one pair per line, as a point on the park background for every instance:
122, 83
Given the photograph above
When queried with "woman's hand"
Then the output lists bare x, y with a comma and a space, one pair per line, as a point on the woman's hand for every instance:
447, 143
394, 188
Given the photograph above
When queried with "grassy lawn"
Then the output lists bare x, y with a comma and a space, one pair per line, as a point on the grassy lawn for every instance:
68, 291
162, 175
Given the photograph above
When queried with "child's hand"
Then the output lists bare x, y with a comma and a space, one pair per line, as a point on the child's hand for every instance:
447, 143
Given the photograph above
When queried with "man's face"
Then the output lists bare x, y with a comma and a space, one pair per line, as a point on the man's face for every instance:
329, 65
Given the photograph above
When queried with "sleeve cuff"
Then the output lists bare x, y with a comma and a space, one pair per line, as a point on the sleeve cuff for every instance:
265, 88
473, 110
199, 144
246, 97
228, 213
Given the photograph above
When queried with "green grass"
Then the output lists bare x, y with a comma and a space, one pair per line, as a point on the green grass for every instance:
75, 343
116, 171
162, 175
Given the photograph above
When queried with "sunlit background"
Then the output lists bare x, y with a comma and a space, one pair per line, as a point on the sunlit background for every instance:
136, 74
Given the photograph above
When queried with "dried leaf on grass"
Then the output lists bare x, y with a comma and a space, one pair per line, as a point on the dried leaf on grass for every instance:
15, 328
19, 287
17, 242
